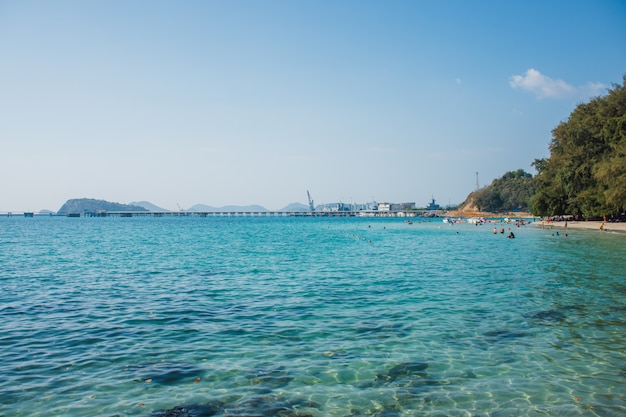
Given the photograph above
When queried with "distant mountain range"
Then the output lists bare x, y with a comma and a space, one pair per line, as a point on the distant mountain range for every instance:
256, 208
293, 207
204, 207
81, 205
148, 206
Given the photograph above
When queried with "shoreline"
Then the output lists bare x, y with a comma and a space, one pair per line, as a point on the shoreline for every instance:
537, 222
584, 225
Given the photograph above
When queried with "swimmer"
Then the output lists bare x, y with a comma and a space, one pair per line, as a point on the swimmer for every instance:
511, 236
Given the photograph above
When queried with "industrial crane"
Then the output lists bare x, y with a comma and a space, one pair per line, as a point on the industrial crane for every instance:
311, 204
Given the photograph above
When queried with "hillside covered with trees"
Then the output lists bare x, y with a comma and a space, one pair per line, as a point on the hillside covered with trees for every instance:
81, 205
585, 174
511, 192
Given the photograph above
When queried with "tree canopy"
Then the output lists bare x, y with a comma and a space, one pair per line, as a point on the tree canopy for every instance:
586, 171
511, 192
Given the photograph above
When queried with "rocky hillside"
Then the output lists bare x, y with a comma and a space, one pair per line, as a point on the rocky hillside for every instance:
469, 204
511, 192
82, 205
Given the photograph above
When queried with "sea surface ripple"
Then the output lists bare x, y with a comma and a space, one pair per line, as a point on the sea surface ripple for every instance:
247, 316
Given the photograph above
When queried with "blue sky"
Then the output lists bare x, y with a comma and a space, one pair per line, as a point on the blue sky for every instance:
256, 102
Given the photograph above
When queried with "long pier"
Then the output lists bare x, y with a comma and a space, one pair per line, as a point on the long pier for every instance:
360, 213
203, 214
251, 214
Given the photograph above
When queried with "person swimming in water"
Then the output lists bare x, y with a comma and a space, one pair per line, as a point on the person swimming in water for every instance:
511, 236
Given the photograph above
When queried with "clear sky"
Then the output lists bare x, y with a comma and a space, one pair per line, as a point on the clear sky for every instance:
256, 102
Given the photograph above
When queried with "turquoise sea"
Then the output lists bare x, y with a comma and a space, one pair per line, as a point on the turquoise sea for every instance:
288, 317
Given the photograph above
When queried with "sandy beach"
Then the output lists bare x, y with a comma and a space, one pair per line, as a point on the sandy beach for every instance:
590, 225
587, 225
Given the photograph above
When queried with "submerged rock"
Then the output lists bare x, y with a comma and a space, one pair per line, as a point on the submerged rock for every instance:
503, 335
547, 315
258, 406
404, 370
192, 410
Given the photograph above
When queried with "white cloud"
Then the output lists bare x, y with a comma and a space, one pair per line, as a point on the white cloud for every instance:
545, 87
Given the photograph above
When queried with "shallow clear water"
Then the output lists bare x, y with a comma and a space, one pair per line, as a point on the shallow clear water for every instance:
308, 317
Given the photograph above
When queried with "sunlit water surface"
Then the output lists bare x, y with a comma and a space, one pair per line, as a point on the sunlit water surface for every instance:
308, 317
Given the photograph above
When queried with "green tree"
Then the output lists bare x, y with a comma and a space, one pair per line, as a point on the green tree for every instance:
512, 191
586, 171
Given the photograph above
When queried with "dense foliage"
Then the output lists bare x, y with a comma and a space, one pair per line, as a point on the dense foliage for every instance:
586, 171
511, 192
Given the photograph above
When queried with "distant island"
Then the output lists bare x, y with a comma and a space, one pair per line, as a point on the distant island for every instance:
90, 205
